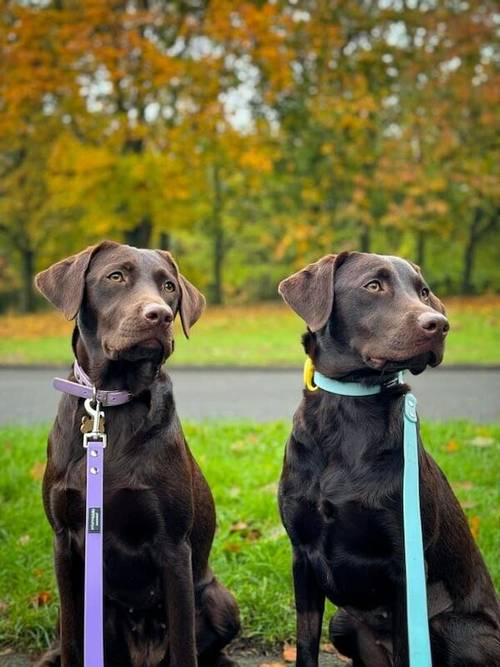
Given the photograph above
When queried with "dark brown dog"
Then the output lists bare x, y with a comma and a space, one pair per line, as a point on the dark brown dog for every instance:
163, 605
340, 491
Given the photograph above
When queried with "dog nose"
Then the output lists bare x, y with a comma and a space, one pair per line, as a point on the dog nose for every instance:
433, 324
156, 313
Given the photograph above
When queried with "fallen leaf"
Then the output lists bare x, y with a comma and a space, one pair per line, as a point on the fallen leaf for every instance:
41, 599
271, 664
238, 527
328, 648
252, 535
232, 547
3, 607
452, 446
24, 540
474, 526
234, 491
37, 471
289, 653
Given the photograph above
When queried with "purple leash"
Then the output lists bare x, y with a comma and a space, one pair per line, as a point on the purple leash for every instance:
93, 623
94, 441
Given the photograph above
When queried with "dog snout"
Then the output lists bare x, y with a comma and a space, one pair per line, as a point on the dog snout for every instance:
156, 313
433, 324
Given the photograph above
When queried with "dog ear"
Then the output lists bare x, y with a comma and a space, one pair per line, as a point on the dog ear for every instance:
309, 292
192, 301
63, 283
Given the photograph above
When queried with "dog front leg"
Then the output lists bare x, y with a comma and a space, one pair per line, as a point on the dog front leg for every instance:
179, 591
310, 605
69, 577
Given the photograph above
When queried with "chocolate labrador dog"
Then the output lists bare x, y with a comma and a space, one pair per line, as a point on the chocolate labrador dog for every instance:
369, 316
163, 606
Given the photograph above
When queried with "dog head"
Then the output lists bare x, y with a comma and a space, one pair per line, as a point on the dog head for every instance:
125, 300
367, 312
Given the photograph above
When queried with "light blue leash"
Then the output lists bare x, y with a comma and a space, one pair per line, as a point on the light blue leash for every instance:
419, 648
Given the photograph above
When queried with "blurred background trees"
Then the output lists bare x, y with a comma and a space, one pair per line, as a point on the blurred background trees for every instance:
250, 137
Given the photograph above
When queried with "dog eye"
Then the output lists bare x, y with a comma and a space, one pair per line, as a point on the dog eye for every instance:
169, 286
424, 292
116, 276
373, 286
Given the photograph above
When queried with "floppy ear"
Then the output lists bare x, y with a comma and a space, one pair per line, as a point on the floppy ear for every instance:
63, 284
192, 301
309, 292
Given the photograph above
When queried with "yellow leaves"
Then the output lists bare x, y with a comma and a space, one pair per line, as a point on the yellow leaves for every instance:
258, 161
474, 523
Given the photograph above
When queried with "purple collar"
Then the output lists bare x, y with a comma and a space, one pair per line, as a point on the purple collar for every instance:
83, 388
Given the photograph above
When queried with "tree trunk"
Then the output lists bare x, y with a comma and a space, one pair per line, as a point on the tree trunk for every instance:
140, 235
470, 253
218, 241
420, 254
165, 241
27, 275
365, 240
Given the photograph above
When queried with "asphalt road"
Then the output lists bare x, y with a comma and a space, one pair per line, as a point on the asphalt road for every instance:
27, 397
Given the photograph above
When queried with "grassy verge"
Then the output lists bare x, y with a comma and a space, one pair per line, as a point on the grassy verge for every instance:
265, 335
251, 554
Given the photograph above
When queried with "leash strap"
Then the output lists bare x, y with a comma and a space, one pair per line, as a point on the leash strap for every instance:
93, 626
419, 649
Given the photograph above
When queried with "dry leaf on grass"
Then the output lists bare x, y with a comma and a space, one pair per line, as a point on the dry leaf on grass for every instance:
41, 599
3, 607
238, 527
246, 532
452, 446
289, 653
474, 526
271, 664
37, 471
24, 540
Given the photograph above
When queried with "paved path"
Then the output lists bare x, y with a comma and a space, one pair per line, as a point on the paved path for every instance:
26, 395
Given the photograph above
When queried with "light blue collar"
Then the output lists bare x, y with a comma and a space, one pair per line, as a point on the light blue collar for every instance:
353, 388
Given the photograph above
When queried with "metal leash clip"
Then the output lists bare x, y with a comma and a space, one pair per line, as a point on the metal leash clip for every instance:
93, 425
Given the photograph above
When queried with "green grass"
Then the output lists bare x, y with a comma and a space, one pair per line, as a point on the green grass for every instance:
265, 335
251, 554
